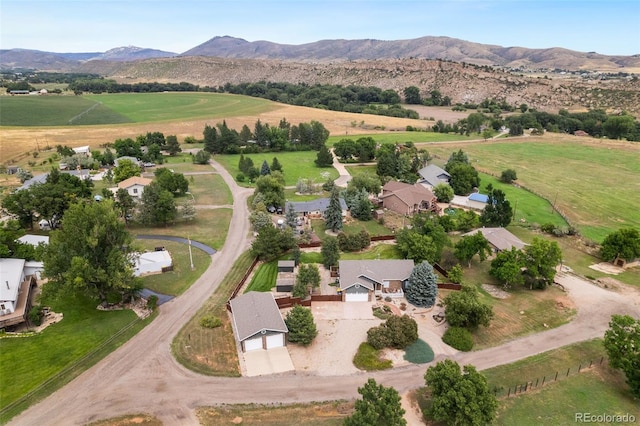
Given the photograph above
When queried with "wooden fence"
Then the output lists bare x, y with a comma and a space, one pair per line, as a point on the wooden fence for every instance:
450, 286
289, 301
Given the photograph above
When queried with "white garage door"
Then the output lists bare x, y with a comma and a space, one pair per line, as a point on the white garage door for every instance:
357, 297
275, 341
253, 344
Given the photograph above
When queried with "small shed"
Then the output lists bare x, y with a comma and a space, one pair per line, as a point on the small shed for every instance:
286, 265
285, 284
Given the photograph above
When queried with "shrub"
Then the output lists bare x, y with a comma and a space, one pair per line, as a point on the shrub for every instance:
419, 352
152, 302
396, 332
209, 321
35, 315
240, 177
458, 338
508, 176
548, 228
378, 338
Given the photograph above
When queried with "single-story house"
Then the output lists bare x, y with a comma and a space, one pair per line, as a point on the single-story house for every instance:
134, 185
315, 207
16, 286
404, 198
499, 238
34, 240
361, 279
82, 150
257, 321
42, 178
151, 262
433, 175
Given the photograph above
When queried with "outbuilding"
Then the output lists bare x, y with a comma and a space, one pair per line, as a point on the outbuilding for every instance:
257, 322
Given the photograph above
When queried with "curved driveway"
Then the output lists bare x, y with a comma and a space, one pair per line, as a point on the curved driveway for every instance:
143, 377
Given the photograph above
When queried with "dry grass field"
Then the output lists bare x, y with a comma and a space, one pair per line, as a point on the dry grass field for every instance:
16, 143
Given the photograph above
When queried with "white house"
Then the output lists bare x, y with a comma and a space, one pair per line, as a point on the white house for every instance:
34, 240
134, 185
16, 285
151, 262
82, 150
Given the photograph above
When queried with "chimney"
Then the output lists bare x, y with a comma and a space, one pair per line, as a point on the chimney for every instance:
8, 288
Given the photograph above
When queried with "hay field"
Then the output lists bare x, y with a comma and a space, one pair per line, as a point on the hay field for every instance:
17, 142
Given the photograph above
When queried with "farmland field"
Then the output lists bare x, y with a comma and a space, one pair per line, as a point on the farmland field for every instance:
594, 183
54, 110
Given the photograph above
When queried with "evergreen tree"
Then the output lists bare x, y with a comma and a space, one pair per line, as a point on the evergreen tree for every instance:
324, 157
265, 170
422, 288
210, 138
172, 145
302, 328
275, 165
333, 215
291, 216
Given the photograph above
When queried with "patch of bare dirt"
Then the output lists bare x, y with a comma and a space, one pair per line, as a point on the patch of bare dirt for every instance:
607, 268
495, 291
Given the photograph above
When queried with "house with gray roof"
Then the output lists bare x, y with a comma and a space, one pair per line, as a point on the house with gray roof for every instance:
360, 280
499, 238
315, 207
433, 175
257, 322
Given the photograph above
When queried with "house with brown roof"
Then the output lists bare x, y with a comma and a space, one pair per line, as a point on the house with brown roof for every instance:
134, 185
404, 198
499, 238
360, 280
257, 321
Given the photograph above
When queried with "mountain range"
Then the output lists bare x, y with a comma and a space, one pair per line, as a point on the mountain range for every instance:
443, 48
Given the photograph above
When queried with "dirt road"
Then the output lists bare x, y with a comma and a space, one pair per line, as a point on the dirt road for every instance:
143, 377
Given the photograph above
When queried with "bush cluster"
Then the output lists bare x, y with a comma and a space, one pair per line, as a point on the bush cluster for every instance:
458, 338
396, 332
209, 321
354, 242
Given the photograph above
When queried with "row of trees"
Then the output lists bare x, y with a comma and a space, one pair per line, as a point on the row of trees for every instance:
102, 85
221, 139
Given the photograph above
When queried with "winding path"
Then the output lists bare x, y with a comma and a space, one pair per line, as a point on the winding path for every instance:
142, 375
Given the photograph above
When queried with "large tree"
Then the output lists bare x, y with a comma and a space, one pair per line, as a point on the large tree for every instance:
443, 192
333, 214
507, 267
125, 204
540, 259
330, 252
412, 95
272, 242
498, 210
324, 157
157, 206
271, 190
622, 342
416, 246
125, 170
379, 406
302, 329
460, 397
173, 182
623, 243
172, 145
464, 309
464, 178
422, 288
471, 245
92, 252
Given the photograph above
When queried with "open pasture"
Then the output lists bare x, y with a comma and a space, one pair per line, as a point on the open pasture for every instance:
594, 183
55, 111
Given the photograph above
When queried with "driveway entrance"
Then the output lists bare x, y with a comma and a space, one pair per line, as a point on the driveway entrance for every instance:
261, 362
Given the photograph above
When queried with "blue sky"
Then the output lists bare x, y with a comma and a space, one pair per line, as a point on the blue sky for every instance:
605, 26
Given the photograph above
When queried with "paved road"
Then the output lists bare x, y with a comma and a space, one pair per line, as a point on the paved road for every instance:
143, 377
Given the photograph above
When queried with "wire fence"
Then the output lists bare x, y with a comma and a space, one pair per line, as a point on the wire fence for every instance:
538, 382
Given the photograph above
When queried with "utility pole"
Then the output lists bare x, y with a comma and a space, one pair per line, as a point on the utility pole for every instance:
190, 254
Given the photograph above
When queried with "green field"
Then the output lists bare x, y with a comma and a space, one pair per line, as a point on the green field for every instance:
298, 164
595, 186
56, 355
403, 137
65, 110
56, 110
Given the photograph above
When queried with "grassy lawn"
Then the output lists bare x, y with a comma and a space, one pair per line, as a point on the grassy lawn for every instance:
212, 351
264, 278
180, 279
330, 413
356, 169
594, 184
379, 251
368, 359
61, 352
209, 190
403, 137
149, 107
353, 226
298, 164
290, 195
209, 227
528, 207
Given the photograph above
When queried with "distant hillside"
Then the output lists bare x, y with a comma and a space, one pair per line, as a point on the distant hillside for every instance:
462, 83
445, 48
64, 62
